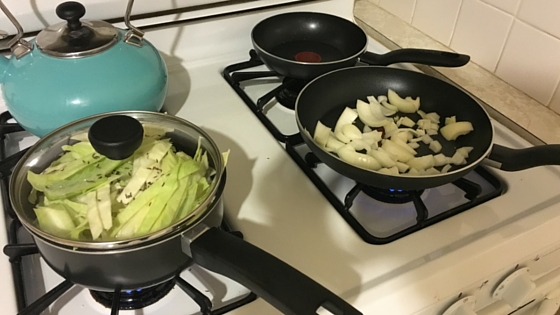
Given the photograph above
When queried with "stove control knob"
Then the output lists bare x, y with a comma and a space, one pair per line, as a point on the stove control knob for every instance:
516, 289
464, 306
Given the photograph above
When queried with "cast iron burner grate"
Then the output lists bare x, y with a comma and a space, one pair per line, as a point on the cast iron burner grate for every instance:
308, 162
117, 300
286, 93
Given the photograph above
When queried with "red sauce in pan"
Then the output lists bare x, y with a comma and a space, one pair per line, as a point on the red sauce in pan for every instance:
308, 56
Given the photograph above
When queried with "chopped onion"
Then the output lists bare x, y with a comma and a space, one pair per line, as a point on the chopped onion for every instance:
389, 171
433, 117
359, 144
453, 130
322, 133
427, 139
407, 122
413, 171
404, 106
440, 159
333, 143
435, 146
351, 131
401, 153
405, 146
347, 154
464, 151
368, 117
340, 136
393, 150
402, 167
413, 145
422, 163
390, 128
383, 158
372, 136
431, 171
450, 120
458, 159
347, 117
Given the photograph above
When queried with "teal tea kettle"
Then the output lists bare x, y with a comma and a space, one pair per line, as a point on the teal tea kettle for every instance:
79, 68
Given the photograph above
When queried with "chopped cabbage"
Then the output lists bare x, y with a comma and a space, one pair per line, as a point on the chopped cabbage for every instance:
85, 196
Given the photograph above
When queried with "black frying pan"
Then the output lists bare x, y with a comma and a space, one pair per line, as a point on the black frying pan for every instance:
304, 45
324, 99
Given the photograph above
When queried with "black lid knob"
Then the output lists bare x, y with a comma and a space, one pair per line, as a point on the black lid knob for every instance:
116, 137
71, 11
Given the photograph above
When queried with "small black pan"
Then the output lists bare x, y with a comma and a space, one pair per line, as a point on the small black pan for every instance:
324, 99
304, 45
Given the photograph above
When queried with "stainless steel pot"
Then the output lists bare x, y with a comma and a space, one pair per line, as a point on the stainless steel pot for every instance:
159, 256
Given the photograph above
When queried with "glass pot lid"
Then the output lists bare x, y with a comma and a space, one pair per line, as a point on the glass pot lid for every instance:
184, 136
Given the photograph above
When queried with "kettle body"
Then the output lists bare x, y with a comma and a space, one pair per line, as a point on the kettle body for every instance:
43, 91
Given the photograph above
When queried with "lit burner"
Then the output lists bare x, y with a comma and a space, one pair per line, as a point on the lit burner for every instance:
134, 299
390, 195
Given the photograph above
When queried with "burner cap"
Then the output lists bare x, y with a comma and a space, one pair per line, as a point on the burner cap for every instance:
134, 299
288, 96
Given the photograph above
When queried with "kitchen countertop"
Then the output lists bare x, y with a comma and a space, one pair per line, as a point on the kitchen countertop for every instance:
523, 113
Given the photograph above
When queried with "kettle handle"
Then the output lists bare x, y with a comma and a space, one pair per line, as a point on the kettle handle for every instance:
19, 46
134, 36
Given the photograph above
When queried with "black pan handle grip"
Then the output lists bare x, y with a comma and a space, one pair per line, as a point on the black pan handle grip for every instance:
421, 56
281, 285
521, 159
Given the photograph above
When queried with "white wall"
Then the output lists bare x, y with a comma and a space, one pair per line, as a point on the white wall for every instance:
518, 40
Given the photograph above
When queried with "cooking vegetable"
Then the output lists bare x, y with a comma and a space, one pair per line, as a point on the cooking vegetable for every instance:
452, 131
83, 195
393, 151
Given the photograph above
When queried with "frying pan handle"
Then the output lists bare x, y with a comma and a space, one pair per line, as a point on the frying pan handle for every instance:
421, 56
285, 288
520, 159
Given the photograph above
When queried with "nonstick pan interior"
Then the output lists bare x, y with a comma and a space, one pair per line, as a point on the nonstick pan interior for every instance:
309, 37
325, 98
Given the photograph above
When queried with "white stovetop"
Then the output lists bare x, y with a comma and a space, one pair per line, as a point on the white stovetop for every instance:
270, 200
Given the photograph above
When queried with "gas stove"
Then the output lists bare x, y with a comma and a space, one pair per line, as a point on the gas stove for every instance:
277, 205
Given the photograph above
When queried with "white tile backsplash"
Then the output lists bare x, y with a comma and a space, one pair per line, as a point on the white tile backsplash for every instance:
481, 32
436, 18
401, 8
544, 14
508, 6
527, 56
522, 62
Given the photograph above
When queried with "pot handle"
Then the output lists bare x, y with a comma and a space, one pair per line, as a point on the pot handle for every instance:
508, 159
421, 56
281, 285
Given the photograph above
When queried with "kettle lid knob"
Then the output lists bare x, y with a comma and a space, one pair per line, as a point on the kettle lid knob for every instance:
72, 12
